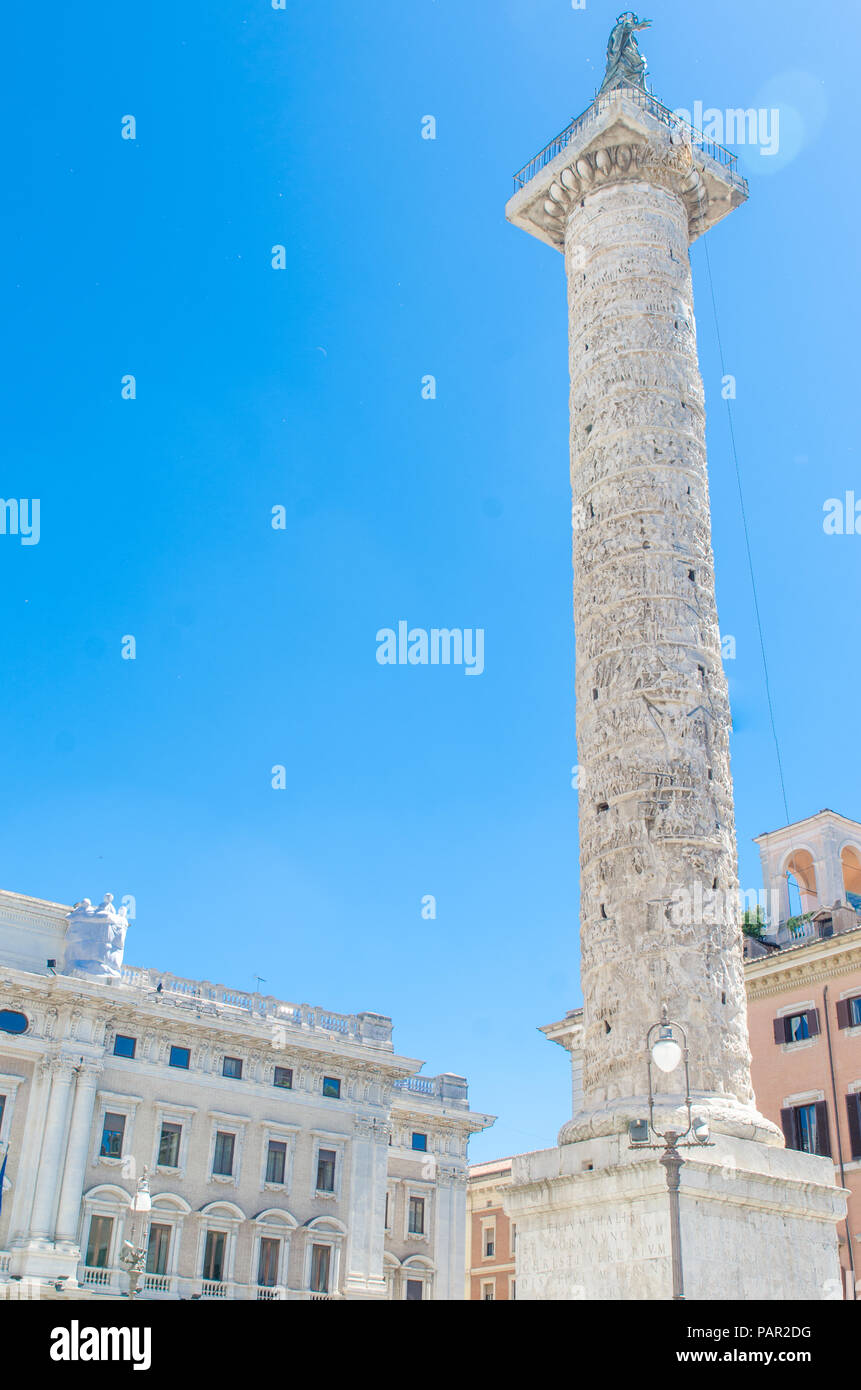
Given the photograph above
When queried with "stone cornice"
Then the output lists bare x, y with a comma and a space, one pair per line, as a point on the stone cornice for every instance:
441, 1118
818, 961
126, 1006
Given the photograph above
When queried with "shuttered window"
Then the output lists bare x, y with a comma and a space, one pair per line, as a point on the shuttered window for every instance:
849, 1012
805, 1127
797, 1027
853, 1110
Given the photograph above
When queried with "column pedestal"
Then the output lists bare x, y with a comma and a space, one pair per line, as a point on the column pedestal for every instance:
593, 1223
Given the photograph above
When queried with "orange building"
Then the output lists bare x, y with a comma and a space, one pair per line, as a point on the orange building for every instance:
490, 1236
804, 1004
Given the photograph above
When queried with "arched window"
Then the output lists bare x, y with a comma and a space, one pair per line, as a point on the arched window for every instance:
850, 862
801, 877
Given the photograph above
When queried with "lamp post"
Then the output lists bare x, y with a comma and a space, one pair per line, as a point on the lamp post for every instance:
666, 1053
134, 1251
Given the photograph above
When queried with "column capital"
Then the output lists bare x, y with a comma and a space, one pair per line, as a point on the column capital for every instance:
61, 1067
623, 138
453, 1177
89, 1070
378, 1131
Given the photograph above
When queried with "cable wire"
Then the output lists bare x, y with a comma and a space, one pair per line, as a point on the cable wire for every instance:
747, 542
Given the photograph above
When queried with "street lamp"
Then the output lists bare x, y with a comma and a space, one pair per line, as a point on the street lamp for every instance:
134, 1251
665, 1051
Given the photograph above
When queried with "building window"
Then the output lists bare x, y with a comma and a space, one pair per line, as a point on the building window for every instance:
267, 1263
113, 1129
512, 1291
321, 1256
488, 1292
99, 1243
213, 1256
180, 1057
797, 1027
168, 1145
489, 1243
326, 1159
232, 1068
849, 1012
805, 1127
158, 1248
124, 1046
276, 1161
853, 1110
417, 1216
222, 1161
284, 1078
414, 1291
420, 1142
12, 1022
332, 1087
513, 1237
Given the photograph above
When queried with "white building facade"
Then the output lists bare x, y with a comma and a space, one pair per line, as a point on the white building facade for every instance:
291, 1153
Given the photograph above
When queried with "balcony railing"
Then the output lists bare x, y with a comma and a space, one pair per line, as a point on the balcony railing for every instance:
204, 998
211, 1288
653, 107
158, 1283
113, 1282
422, 1085
448, 1088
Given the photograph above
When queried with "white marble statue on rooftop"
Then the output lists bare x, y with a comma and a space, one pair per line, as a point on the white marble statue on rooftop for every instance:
95, 940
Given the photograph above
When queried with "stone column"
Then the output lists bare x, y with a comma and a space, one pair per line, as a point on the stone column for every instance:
62, 1070
660, 918
450, 1241
28, 1159
658, 883
76, 1153
657, 831
368, 1172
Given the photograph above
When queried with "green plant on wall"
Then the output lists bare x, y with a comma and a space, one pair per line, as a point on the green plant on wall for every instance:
753, 922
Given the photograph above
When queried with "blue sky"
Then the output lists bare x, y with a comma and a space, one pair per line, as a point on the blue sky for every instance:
301, 387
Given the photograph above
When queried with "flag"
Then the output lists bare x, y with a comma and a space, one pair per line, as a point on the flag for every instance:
3, 1176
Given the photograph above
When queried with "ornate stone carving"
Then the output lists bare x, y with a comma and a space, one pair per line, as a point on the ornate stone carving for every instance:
667, 164
378, 1131
656, 811
95, 940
